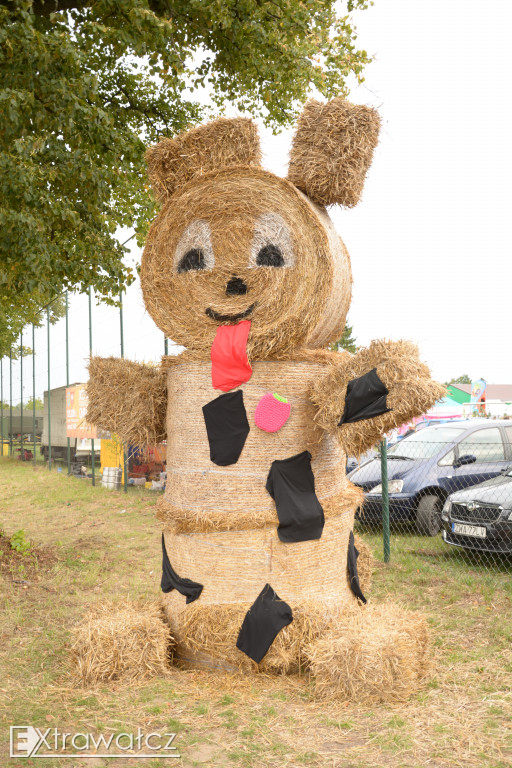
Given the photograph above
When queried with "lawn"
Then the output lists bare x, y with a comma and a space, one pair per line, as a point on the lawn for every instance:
95, 545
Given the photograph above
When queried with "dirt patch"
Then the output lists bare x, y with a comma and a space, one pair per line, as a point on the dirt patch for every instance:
25, 566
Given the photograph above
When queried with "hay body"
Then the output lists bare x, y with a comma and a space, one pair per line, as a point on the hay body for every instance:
233, 566
219, 144
332, 151
128, 399
128, 642
303, 303
203, 496
412, 392
378, 653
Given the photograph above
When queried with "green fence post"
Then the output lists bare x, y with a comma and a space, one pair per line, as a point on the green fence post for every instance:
93, 457
166, 345
10, 402
67, 384
49, 393
34, 393
21, 393
125, 468
385, 498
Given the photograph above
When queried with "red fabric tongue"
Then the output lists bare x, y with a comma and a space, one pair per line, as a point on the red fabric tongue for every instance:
230, 366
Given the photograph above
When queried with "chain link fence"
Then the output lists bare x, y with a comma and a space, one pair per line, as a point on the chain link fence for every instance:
445, 490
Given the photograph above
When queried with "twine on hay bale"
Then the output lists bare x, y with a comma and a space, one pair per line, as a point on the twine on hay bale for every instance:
412, 392
228, 214
121, 642
332, 150
128, 399
218, 144
372, 654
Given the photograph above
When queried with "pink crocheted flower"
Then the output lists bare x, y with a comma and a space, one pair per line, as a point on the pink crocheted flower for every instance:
271, 412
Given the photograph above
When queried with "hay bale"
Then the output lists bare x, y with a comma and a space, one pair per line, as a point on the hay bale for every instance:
219, 144
240, 209
371, 654
412, 392
209, 634
126, 641
332, 151
128, 399
201, 496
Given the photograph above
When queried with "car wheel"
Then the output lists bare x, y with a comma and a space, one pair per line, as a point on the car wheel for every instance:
428, 515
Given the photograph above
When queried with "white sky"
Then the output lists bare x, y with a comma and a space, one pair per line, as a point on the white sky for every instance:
431, 240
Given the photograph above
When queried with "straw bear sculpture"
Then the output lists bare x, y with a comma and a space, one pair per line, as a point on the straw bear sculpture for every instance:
246, 271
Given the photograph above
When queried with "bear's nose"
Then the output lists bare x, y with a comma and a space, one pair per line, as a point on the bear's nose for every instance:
236, 287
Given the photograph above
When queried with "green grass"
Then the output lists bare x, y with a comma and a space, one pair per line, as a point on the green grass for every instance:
96, 545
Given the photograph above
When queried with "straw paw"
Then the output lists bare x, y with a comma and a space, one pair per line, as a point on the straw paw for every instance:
365, 395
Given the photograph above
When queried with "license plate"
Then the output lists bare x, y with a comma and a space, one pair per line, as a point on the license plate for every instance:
469, 530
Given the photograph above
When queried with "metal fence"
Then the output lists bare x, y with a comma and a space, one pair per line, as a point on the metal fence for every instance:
56, 355
448, 486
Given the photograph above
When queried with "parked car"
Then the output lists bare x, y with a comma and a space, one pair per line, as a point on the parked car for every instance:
353, 463
426, 467
481, 517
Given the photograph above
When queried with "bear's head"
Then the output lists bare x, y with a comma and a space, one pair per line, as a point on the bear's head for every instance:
233, 241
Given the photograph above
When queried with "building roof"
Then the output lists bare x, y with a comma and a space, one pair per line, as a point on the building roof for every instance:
492, 391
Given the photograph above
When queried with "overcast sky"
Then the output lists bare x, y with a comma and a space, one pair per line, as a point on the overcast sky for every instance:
431, 240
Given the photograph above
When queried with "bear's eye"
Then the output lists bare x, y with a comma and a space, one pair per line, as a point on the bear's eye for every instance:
194, 251
270, 256
193, 259
272, 244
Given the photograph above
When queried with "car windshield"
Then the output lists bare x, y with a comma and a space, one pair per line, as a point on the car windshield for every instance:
424, 444
509, 473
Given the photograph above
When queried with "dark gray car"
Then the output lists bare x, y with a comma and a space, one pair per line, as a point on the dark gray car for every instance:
481, 517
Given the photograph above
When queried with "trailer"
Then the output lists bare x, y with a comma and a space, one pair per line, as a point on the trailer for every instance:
55, 427
20, 425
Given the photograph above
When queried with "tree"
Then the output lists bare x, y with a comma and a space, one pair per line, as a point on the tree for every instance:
346, 341
30, 402
464, 379
14, 318
87, 84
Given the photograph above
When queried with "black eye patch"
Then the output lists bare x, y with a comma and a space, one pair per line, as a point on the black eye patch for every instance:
270, 256
193, 259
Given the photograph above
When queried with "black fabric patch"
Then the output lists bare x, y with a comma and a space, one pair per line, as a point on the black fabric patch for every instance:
171, 580
227, 427
262, 623
353, 554
291, 484
365, 398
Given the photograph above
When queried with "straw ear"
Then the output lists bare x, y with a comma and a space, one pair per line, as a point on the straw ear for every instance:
332, 151
210, 147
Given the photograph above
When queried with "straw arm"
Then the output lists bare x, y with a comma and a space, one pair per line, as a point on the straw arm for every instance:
367, 412
128, 399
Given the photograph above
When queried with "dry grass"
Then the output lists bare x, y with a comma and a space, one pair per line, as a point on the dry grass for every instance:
128, 399
219, 144
412, 392
332, 151
371, 654
125, 640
